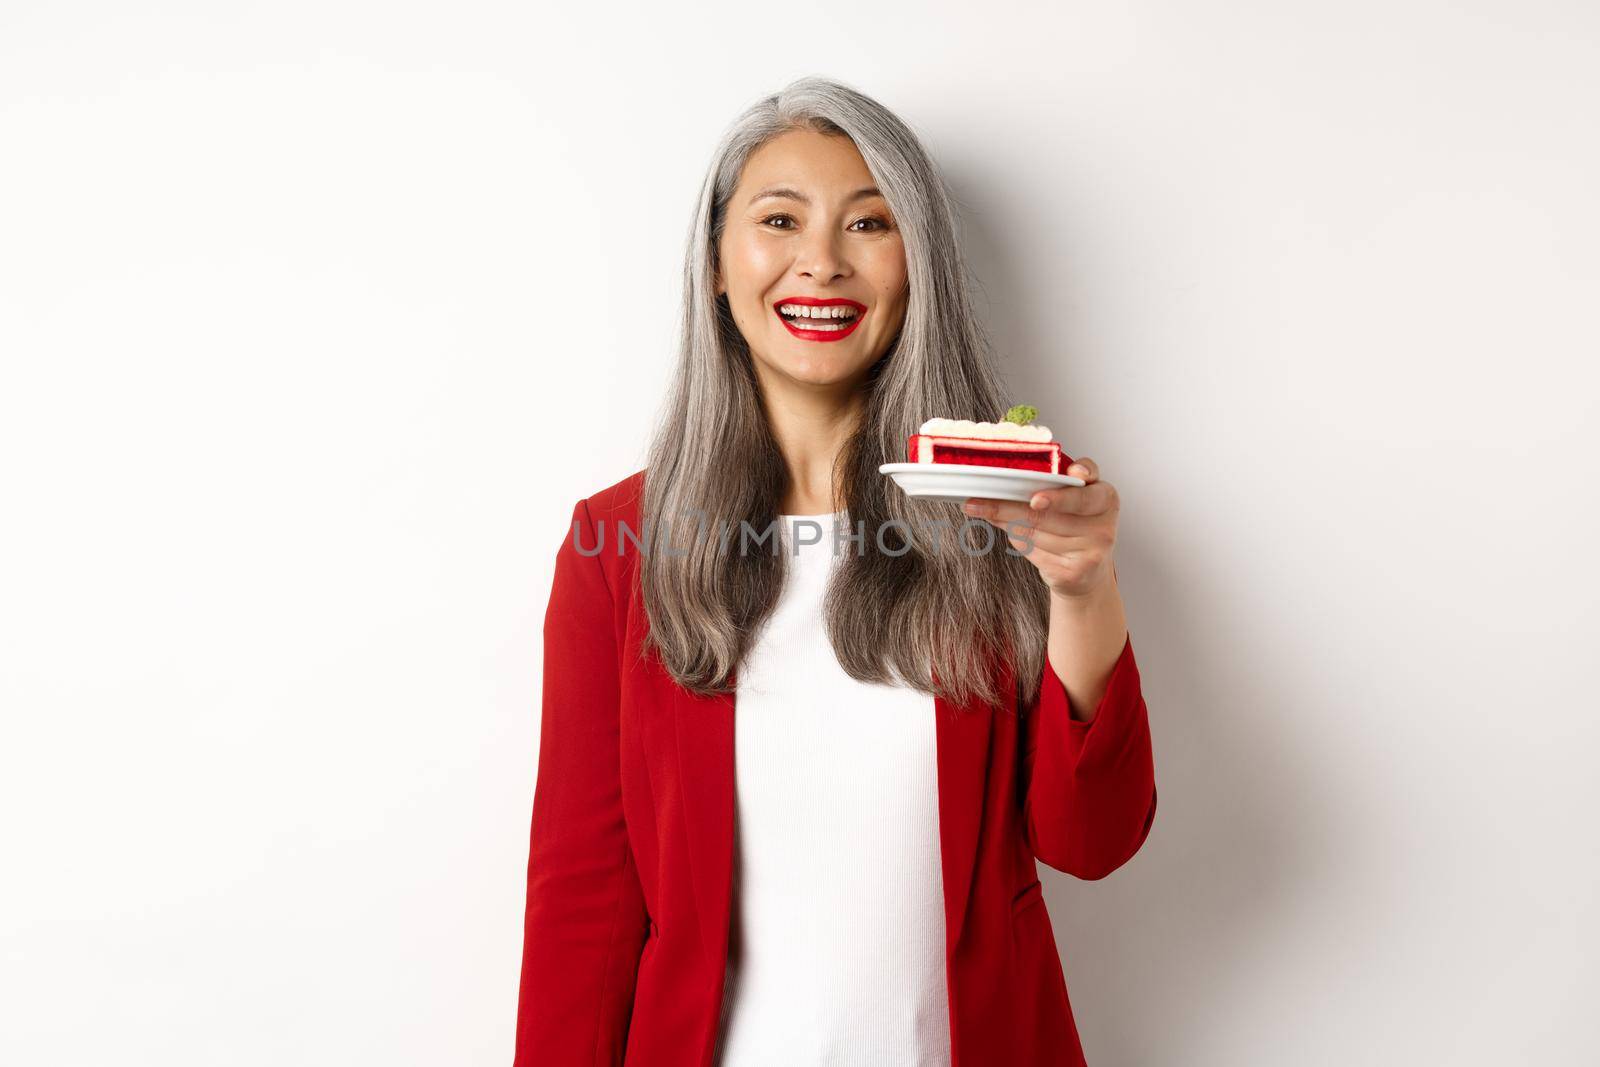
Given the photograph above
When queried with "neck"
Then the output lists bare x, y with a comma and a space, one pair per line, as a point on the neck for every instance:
811, 424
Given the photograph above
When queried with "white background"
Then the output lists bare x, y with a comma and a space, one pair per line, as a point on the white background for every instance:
316, 319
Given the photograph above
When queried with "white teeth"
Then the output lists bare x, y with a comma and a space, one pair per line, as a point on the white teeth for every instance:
806, 311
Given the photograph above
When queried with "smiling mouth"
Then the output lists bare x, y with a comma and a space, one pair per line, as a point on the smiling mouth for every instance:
819, 322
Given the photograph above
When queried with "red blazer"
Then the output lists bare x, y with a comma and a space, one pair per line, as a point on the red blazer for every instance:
631, 851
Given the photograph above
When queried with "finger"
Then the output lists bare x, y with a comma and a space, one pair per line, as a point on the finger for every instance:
1009, 514
1092, 499
1085, 468
1030, 542
1001, 511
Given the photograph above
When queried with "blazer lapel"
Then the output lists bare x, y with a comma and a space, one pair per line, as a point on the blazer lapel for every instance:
963, 735
704, 728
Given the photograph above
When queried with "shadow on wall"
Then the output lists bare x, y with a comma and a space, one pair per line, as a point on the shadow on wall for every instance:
1158, 952
1155, 952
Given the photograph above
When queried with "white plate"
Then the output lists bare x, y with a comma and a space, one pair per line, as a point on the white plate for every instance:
962, 481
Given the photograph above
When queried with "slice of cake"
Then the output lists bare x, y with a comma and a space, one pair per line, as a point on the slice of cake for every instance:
1012, 442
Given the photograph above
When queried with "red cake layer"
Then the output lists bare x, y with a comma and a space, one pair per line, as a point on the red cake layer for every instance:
1043, 456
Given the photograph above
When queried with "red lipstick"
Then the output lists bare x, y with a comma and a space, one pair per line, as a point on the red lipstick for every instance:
826, 334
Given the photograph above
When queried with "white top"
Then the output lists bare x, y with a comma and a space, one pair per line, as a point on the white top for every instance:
836, 953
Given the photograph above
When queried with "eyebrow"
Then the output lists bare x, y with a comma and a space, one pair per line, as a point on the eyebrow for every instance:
794, 194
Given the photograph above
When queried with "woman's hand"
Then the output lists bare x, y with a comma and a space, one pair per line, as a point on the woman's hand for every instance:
1068, 533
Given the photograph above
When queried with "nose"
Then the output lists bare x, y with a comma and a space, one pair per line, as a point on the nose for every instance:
819, 257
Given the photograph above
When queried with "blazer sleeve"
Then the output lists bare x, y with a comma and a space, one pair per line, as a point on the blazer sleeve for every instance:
1089, 788
585, 921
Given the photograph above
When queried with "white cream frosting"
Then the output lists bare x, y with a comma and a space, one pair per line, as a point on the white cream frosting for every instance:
1004, 431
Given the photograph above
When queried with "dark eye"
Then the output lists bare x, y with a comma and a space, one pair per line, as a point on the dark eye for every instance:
881, 224
769, 218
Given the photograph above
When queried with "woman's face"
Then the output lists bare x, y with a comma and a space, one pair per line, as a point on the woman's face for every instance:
806, 228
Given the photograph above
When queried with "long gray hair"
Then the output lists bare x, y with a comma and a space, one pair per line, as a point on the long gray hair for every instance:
928, 611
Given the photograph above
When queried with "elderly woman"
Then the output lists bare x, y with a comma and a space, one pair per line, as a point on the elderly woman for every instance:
789, 802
